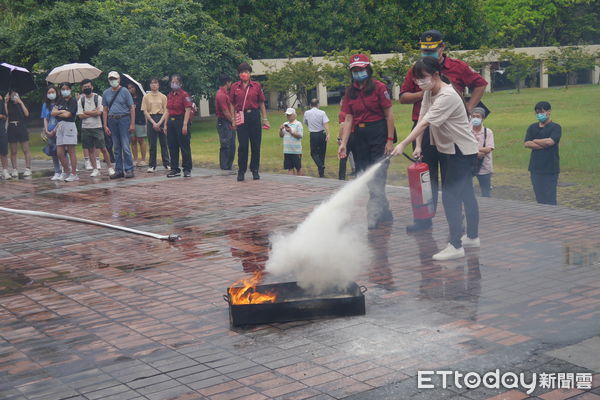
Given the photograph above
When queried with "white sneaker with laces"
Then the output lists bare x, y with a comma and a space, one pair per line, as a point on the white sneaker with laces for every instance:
6, 174
467, 242
56, 177
111, 171
72, 178
88, 164
150, 170
95, 173
14, 173
27, 172
62, 177
449, 253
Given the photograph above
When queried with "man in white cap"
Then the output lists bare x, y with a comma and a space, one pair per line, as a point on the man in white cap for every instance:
292, 132
318, 126
119, 121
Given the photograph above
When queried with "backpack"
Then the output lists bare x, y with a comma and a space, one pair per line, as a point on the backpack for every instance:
95, 107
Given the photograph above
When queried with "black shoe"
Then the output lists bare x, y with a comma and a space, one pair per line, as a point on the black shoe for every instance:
240, 177
187, 174
419, 225
129, 174
173, 174
387, 216
117, 175
322, 173
255, 175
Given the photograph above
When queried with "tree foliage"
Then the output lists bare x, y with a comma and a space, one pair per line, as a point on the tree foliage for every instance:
521, 67
297, 77
142, 38
567, 61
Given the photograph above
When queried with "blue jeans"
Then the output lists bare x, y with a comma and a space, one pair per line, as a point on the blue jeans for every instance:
121, 142
55, 160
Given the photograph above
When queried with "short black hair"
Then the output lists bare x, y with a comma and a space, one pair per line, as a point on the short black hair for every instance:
427, 65
155, 80
224, 79
67, 84
86, 81
314, 102
178, 78
542, 105
244, 67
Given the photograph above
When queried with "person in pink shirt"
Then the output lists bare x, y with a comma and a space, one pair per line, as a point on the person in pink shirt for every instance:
485, 137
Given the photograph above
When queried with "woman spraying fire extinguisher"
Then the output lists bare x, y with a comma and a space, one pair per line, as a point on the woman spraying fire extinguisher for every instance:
443, 111
369, 117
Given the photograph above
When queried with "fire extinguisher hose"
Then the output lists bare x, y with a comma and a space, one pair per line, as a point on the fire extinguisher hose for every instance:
170, 238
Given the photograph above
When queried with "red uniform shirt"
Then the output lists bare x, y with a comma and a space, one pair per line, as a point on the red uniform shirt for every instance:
222, 103
459, 73
368, 108
237, 92
178, 101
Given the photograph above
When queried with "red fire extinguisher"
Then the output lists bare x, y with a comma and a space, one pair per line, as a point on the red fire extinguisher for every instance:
419, 183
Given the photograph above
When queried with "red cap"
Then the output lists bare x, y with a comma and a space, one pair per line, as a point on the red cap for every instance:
359, 60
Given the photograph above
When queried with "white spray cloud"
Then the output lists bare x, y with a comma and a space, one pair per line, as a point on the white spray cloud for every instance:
327, 250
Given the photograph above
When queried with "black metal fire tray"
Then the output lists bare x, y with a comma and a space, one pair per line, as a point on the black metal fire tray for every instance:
294, 304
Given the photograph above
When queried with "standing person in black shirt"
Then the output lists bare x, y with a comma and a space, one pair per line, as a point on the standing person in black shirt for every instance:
17, 112
65, 112
544, 165
3, 142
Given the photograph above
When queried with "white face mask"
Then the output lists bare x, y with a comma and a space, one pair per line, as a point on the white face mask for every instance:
476, 121
425, 84
51, 96
65, 93
114, 82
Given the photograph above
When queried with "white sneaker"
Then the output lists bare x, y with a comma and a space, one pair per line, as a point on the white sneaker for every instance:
98, 165
62, 177
72, 178
6, 174
111, 171
88, 164
95, 173
14, 173
27, 172
468, 242
150, 169
56, 177
449, 253
168, 167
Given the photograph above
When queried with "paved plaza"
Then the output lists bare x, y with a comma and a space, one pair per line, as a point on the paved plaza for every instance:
92, 313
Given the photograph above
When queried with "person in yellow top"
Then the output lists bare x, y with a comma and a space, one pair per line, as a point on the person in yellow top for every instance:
154, 107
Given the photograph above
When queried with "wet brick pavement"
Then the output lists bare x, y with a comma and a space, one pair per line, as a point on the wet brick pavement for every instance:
92, 313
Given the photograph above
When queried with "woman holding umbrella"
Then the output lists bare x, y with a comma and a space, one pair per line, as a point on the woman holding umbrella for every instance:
66, 131
16, 111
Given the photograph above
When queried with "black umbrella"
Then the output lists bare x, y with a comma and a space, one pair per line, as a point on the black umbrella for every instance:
15, 78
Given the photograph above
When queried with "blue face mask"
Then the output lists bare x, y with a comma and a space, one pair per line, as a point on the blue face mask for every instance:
433, 54
476, 121
360, 76
542, 117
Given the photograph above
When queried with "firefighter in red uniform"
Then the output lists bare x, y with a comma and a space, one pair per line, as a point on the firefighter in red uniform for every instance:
179, 106
368, 109
248, 99
461, 77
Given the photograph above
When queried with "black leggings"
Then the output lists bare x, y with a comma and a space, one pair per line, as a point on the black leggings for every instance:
457, 189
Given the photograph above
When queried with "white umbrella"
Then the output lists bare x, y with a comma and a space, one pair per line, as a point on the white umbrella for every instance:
126, 78
73, 73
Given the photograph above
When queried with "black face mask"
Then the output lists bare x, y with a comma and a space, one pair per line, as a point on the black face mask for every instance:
87, 91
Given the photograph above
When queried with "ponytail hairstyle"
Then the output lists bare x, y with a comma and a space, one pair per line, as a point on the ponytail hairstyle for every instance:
429, 65
369, 85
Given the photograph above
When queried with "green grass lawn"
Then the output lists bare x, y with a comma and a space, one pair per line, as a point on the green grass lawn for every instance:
575, 109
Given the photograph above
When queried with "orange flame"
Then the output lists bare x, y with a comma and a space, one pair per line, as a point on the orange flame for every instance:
244, 291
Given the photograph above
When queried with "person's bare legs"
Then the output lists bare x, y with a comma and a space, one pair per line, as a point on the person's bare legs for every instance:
4, 162
93, 155
134, 149
60, 152
73, 158
106, 157
13, 155
291, 172
142, 143
299, 172
26, 153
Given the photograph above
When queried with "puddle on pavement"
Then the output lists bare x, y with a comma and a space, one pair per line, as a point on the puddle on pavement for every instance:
582, 254
12, 281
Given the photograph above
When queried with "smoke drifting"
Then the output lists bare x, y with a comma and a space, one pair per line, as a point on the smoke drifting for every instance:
327, 250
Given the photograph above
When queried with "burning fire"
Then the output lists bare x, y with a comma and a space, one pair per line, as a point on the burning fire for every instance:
246, 294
